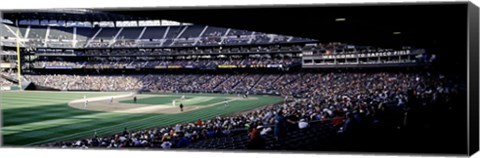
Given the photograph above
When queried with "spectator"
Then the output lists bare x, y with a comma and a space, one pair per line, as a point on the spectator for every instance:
199, 122
183, 142
302, 124
280, 125
256, 140
166, 144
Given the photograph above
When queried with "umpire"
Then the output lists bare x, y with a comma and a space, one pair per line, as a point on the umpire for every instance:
134, 99
181, 107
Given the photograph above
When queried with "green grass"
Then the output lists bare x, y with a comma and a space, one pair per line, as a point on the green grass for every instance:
31, 118
196, 100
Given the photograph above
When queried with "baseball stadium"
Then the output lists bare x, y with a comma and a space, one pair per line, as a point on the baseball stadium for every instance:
230, 79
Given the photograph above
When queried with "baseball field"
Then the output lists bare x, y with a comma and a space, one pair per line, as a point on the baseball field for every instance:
33, 118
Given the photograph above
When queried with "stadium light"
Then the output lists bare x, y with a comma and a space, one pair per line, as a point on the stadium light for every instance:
340, 19
397, 33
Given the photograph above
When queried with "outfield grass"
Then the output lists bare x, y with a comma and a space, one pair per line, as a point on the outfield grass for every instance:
197, 100
31, 118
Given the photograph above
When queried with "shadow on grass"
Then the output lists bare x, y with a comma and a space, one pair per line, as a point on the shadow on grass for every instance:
15, 116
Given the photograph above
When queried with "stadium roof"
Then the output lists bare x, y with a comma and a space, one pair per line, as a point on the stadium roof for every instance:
419, 25
66, 14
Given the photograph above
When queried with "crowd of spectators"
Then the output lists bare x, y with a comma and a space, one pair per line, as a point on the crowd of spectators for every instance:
35, 43
139, 63
281, 39
98, 44
58, 44
4, 74
124, 43
237, 40
41, 64
211, 82
230, 83
239, 32
329, 50
162, 83
184, 83
177, 136
261, 38
9, 73
266, 84
350, 102
60, 37
8, 52
247, 83
184, 42
212, 38
86, 82
4, 82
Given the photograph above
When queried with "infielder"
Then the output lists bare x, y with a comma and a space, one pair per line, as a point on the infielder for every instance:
86, 102
226, 103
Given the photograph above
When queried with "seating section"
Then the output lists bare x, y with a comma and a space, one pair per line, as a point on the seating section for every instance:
316, 137
236, 141
107, 33
22, 30
192, 31
154, 33
321, 111
214, 31
61, 33
83, 34
130, 33
7, 76
239, 33
37, 33
153, 36
6, 31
